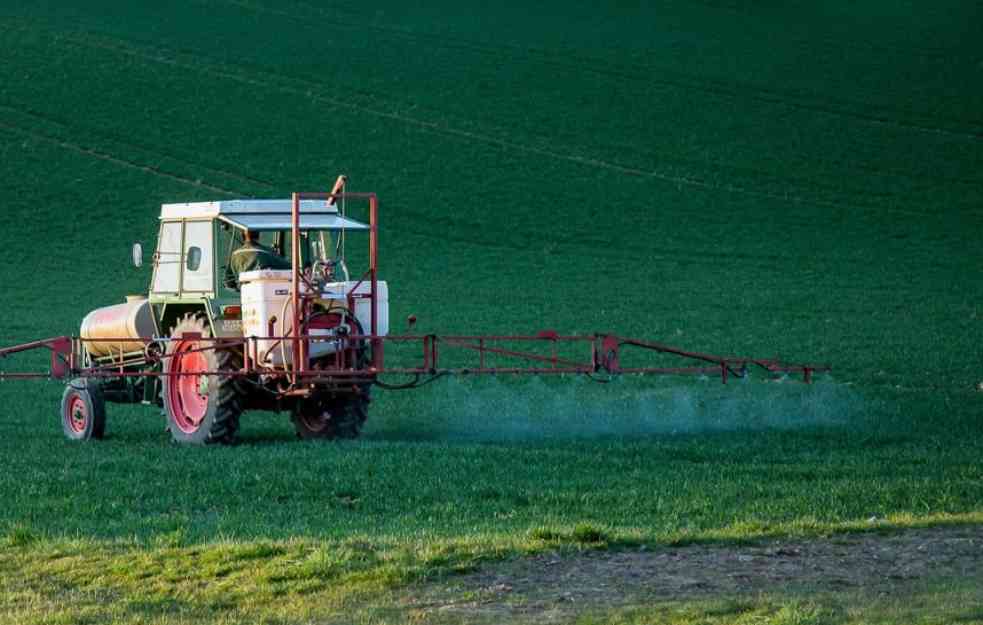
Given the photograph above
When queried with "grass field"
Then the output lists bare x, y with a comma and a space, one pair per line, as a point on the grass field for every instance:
799, 179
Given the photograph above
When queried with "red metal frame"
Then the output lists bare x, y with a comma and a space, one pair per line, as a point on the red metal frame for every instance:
300, 357
602, 355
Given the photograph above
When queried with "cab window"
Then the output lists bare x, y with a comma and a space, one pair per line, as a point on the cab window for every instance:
167, 260
197, 256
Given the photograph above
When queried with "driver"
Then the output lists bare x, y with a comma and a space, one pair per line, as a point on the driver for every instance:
253, 255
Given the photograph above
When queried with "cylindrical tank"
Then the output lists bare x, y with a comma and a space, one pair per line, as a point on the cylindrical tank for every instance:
266, 294
132, 320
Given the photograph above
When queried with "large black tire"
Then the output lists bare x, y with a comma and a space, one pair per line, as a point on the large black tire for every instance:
83, 410
200, 410
338, 417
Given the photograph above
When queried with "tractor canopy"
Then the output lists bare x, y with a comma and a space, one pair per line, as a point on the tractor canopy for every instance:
266, 222
264, 214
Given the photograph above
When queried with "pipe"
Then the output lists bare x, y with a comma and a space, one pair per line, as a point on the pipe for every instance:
339, 186
373, 257
295, 295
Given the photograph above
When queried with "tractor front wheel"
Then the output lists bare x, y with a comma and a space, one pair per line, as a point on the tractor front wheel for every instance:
202, 405
338, 417
83, 410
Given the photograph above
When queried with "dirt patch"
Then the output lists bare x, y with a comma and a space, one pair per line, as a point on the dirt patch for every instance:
552, 584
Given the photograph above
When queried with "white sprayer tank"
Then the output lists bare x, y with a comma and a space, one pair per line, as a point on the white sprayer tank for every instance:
132, 320
266, 294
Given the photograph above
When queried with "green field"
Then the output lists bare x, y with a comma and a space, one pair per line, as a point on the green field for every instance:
799, 179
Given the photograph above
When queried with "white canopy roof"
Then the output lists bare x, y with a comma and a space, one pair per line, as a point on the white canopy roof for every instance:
264, 214
281, 221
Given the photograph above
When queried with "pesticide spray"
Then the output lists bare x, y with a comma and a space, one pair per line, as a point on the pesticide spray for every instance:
518, 409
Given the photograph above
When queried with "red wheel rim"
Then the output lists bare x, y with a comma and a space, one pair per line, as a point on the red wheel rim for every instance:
77, 414
324, 321
330, 321
315, 422
188, 405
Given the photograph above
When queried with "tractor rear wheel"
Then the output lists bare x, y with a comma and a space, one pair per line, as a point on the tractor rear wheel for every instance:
202, 407
338, 417
83, 410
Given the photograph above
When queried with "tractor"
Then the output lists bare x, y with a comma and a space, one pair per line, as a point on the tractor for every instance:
201, 324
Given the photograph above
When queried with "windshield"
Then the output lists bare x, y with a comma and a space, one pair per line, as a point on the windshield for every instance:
322, 251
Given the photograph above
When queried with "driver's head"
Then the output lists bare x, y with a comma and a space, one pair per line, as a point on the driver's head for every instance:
251, 236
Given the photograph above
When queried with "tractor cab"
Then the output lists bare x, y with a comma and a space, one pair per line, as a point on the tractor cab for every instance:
193, 271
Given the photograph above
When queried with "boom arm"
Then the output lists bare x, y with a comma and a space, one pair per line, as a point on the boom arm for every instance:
435, 356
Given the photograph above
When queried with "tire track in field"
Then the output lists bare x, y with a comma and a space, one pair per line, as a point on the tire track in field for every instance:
574, 244
159, 54
110, 158
481, 48
634, 73
647, 253
682, 256
402, 211
266, 80
804, 159
153, 150
939, 54
486, 48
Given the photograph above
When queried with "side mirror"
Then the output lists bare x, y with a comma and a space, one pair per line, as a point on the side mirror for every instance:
137, 255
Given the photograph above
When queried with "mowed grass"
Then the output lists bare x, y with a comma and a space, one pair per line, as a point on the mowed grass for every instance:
797, 180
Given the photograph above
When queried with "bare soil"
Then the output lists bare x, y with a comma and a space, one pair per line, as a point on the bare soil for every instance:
552, 585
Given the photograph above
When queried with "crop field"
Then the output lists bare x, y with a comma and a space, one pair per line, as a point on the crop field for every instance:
795, 179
